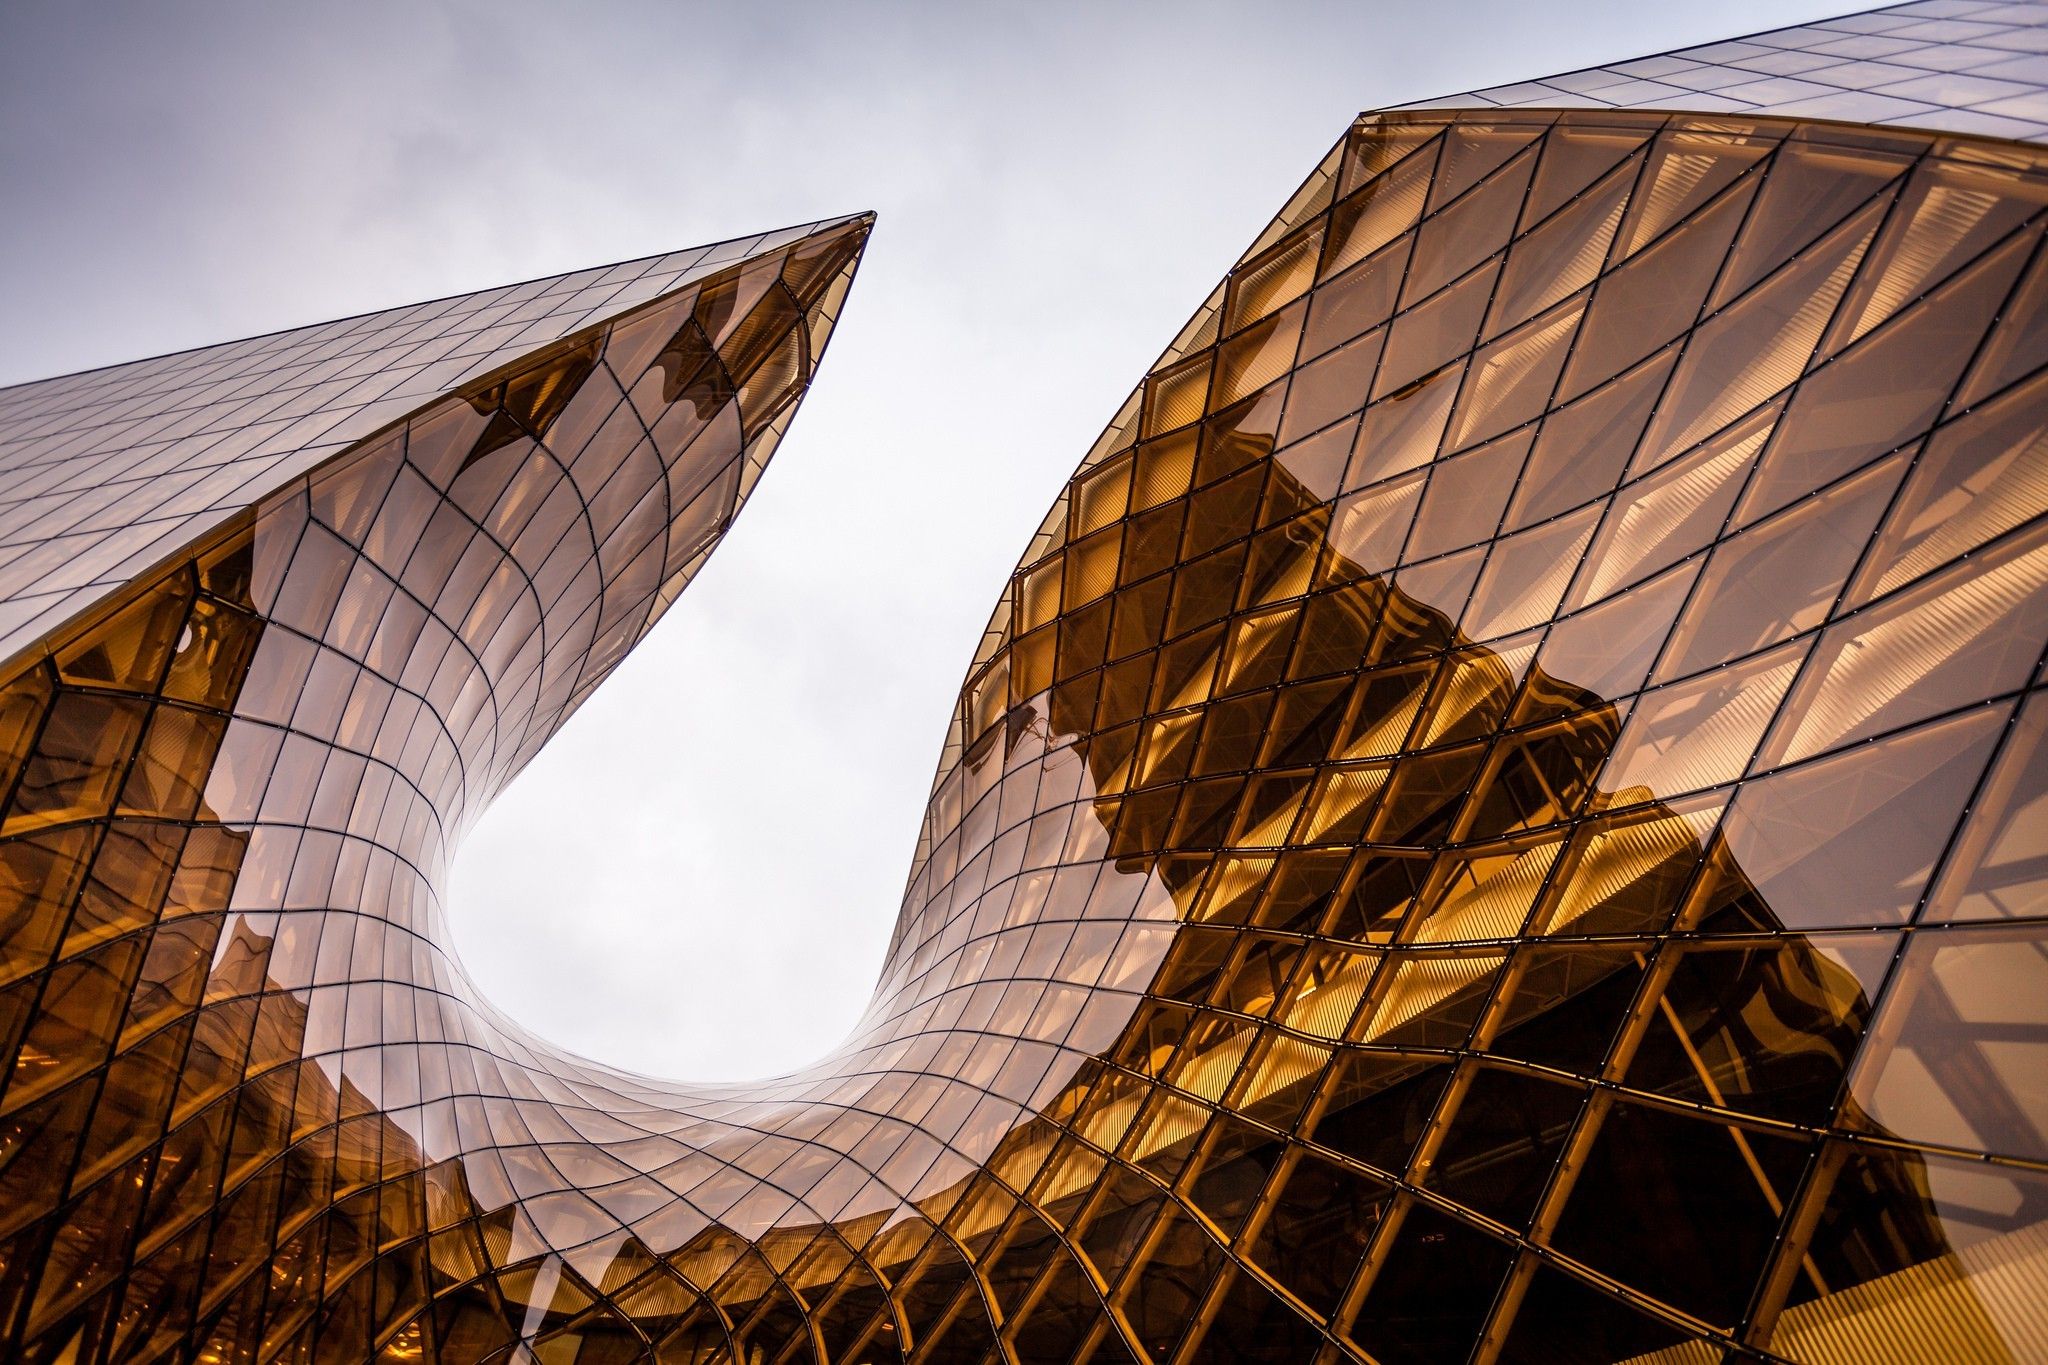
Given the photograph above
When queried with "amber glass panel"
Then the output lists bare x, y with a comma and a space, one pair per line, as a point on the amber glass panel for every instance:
1702, 733
1511, 379
1403, 430
1319, 1221
1780, 577
1470, 230
1897, 381
1435, 332
1655, 296
1767, 1028
1355, 301
1758, 345
1378, 1105
1807, 190
1960, 636
1566, 252
1566, 1005
2013, 349
1676, 511
1465, 498
1680, 1206
1584, 446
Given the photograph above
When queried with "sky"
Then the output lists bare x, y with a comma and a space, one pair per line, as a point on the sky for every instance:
697, 878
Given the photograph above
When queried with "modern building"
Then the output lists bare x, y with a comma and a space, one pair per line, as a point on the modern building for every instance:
1502, 816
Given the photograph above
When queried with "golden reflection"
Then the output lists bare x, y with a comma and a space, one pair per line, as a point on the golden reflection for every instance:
1495, 818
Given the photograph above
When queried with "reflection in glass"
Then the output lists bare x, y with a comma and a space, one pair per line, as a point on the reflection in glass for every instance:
1497, 816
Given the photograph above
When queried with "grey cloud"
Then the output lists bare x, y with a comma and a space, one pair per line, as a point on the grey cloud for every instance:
699, 876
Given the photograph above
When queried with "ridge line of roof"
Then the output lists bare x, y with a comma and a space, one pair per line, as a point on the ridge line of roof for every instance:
807, 229
1442, 101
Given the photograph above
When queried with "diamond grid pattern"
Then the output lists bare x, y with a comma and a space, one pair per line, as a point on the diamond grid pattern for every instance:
105, 473
1498, 818
1962, 66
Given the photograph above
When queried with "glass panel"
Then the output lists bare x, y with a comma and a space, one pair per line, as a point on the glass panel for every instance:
1584, 448
1766, 1027
1562, 1319
1995, 870
1756, 347
1919, 1256
1780, 577
1680, 1207
1377, 142
1512, 378
1604, 651
1526, 576
1505, 1135
1425, 337
1574, 158
1430, 1293
1270, 282
1475, 150
1378, 1105
78, 761
1806, 190
1852, 839
1948, 214
1359, 299
1332, 387
1469, 231
1429, 1000
1655, 297
1883, 392
1699, 734
1252, 1325
1564, 254
1674, 512
1960, 1056
1970, 633
1402, 430
130, 649
1564, 1005
2013, 350
1256, 357
1382, 210
1972, 484
1688, 167
1161, 1301
1465, 498
1626, 874
1322, 1218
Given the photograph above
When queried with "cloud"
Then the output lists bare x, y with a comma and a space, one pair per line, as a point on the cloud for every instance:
699, 876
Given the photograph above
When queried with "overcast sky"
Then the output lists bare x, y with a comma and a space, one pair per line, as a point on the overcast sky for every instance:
698, 877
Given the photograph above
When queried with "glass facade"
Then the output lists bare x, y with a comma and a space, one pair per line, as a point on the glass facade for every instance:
1960, 66
1500, 817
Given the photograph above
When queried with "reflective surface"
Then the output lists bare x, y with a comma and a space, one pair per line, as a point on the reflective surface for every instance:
106, 474
1962, 66
1498, 818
